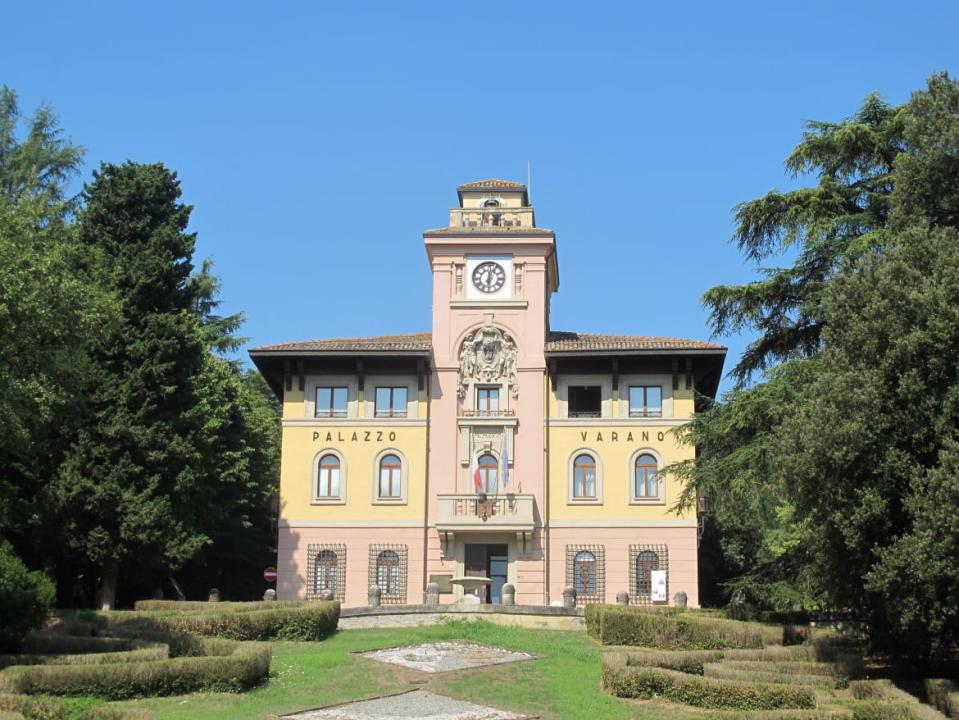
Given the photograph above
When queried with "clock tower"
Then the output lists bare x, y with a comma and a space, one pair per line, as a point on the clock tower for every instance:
493, 273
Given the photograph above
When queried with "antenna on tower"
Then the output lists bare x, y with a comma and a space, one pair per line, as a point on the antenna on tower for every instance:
529, 181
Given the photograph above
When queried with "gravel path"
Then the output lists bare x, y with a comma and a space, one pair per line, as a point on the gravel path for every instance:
415, 704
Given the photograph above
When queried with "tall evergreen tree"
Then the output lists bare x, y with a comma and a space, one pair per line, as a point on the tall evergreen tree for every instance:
127, 493
753, 538
39, 166
47, 309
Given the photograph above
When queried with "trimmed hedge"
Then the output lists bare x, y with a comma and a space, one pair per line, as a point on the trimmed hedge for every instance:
627, 681
37, 643
202, 606
692, 661
152, 652
35, 708
247, 665
618, 625
722, 671
314, 621
944, 696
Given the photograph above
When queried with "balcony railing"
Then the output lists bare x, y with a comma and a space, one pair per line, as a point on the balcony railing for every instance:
477, 512
491, 217
467, 412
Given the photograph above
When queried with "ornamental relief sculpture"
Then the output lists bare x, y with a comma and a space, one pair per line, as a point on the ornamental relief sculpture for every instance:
488, 355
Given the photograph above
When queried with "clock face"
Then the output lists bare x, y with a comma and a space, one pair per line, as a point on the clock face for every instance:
488, 277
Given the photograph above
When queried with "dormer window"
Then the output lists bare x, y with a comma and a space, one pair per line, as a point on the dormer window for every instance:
645, 401
585, 401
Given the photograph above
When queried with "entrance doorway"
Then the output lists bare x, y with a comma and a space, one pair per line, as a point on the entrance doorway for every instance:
492, 561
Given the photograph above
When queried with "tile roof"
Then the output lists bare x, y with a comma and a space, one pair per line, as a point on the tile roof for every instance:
492, 183
383, 343
490, 230
557, 341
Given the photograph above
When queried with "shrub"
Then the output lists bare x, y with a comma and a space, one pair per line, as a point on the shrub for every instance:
247, 665
37, 643
33, 708
203, 606
692, 661
25, 599
944, 696
722, 671
626, 626
627, 681
314, 621
145, 654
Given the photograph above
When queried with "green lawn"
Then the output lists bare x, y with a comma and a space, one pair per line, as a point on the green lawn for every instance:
562, 683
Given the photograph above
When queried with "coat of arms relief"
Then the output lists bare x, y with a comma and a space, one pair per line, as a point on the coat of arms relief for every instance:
487, 356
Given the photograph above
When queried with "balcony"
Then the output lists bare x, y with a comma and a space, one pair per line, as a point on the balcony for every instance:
492, 217
471, 513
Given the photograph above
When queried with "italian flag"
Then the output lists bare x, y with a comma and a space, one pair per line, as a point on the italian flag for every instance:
474, 469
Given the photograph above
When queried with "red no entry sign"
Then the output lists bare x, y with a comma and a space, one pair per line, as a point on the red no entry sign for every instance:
270, 574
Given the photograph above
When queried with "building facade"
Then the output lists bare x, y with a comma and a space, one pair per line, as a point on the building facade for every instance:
492, 446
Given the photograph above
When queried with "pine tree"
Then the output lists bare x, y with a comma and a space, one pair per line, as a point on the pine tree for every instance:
127, 493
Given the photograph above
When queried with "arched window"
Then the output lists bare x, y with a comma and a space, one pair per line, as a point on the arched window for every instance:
490, 202
488, 466
391, 477
584, 476
328, 477
646, 483
388, 572
646, 562
584, 573
325, 571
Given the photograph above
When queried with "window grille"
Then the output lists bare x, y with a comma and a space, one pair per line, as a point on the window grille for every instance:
388, 570
643, 559
326, 568
587, 575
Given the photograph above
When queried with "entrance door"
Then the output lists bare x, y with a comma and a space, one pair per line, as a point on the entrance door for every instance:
489, 561
498, 565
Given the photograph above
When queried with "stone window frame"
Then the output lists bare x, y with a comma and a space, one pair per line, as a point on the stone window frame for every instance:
664, 381
404, 478
315, 498
599, 553
571, 498
402, 553
368, 411
351, 384
662, 553
660, 498
339, 588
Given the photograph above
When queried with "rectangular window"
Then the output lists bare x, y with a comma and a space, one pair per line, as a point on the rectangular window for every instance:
585, 401
391, 402
331, 402
487, 401
645, 401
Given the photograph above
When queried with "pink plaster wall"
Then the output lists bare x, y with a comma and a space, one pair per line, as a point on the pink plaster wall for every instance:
681, 543
292, 559
527, 326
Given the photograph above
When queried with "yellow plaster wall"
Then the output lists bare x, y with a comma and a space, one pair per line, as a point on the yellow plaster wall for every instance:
617, 475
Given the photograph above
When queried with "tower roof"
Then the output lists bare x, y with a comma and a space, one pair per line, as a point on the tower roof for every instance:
491, 185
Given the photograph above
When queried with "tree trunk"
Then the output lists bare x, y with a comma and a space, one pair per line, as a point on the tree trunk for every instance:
108, 586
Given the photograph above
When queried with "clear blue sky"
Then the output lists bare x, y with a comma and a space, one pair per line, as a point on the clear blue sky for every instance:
318, 140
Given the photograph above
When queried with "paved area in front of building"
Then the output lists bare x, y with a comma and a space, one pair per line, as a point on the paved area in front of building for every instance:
445, 656
415, 704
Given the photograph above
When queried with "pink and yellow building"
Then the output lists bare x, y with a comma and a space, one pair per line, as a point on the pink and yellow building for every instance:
492, 446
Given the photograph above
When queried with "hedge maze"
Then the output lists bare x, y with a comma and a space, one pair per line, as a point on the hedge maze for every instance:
157, 649
746, 670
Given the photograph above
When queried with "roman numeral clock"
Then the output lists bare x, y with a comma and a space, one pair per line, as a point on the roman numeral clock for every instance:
489, 277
